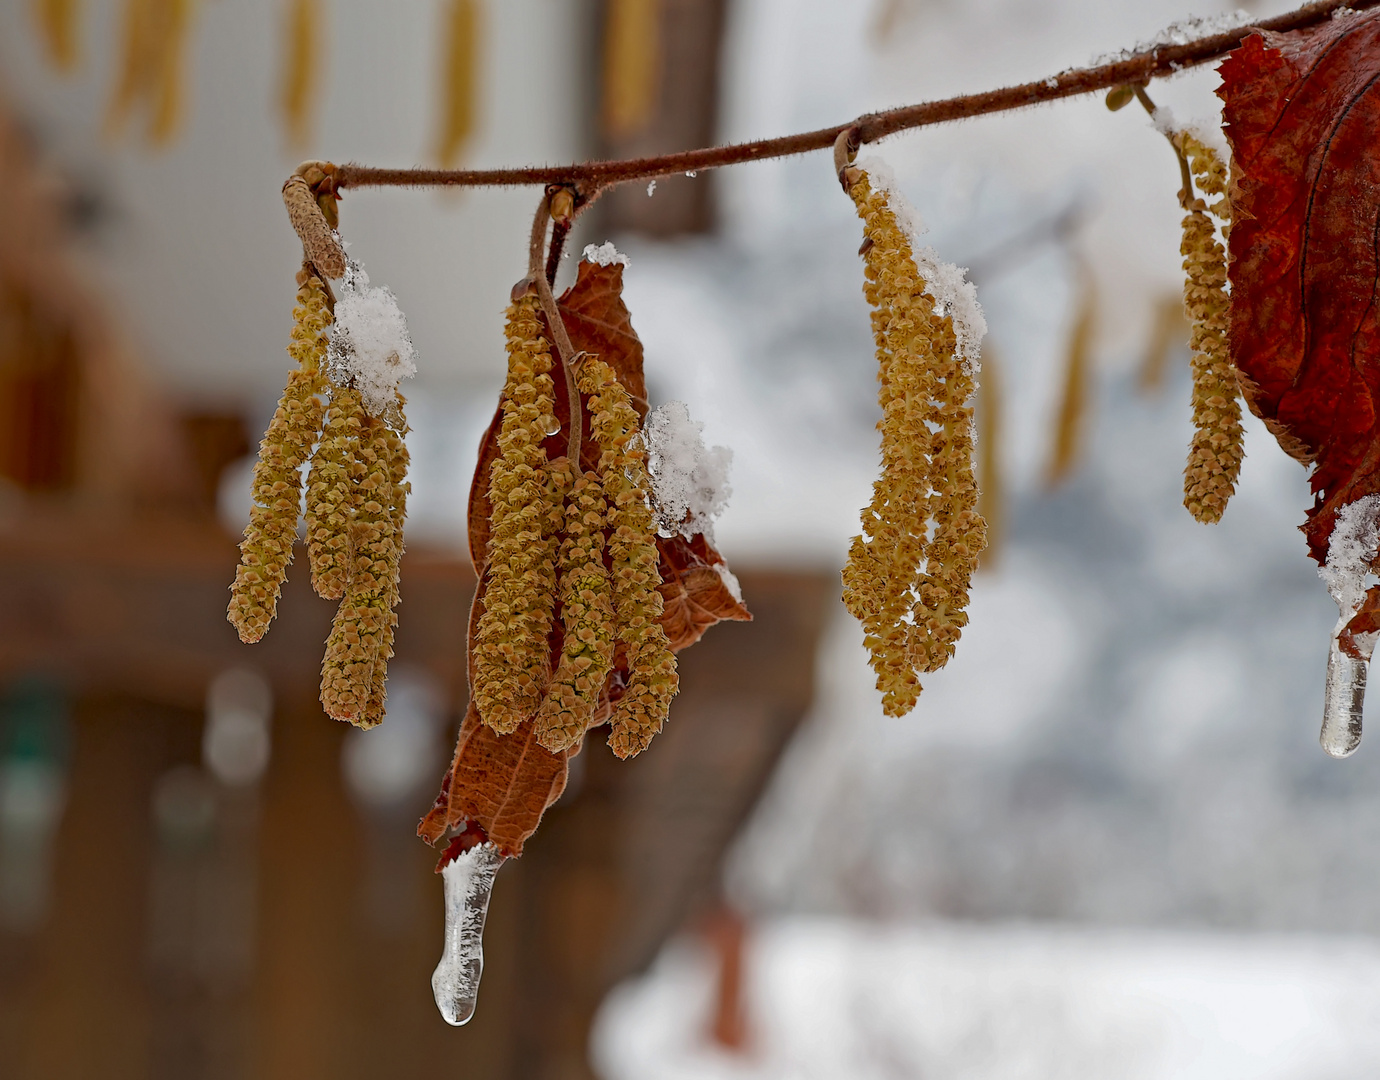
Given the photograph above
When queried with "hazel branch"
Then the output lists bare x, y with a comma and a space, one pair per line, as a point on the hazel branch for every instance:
1137, 69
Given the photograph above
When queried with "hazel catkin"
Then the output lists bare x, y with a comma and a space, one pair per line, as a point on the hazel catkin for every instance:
511, 661
652, 679
586, 617
266, 549
908, 573
361, 634
1216, 452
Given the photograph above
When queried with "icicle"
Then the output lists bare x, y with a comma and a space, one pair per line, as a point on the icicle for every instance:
1353, 545
1346, 696
469, 882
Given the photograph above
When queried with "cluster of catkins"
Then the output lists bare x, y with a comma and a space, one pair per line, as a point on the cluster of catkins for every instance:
356, 496
908, 574
584, 540
1214, 457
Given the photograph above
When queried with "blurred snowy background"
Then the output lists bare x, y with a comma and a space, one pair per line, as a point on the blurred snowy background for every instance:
1106, 842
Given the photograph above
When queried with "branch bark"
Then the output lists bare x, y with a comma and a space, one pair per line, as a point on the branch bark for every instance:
1136, 69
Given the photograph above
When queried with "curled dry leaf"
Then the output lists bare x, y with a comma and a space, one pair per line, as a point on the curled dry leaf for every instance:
1301, 111
503, 783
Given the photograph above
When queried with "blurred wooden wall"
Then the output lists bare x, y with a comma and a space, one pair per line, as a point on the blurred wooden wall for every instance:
343, 908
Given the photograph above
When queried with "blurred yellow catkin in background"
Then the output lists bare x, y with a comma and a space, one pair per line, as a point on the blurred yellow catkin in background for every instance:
991, 482
59, 24
632, 66
1067, 442
1168, 331
152, 72
459, 78
300, 85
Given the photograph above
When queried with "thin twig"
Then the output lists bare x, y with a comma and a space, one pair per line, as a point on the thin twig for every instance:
565, 350
1185, 175
1137, 69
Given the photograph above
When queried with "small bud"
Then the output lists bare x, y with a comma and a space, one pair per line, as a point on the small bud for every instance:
1118, 97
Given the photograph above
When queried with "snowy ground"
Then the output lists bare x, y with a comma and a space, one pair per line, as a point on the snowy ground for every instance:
832, 998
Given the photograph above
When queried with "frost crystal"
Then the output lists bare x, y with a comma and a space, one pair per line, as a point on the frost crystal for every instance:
1355, 539
605, 254
953, 294
1182, 32
1354, 542
370, 348
469, 881
689, 480
730, 581
651, 189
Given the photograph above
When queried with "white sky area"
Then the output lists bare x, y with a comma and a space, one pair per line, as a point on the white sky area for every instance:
1127, 737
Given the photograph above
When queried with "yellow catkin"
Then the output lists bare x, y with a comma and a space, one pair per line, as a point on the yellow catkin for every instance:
586, 617
329, 493
991, 475
312, 228
1214, 456
910, 589
637, 603
59, 22
359, 641
511, 658
398, 460
267, 546
1070, 419
301, 63
632, 66
459, 79
155, 39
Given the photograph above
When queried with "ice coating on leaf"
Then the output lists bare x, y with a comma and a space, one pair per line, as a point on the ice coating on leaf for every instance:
606, 254
689, 480
370, 347
469, 883
1354, 542
953, 294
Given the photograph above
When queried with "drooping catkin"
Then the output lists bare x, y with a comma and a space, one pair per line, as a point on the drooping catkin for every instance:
587, 620
908, 573
266, 549
511, 658
359, 639
398, 461
59, 21
330, 493
300, 73
1070, 418
1215, 454
156, 34
459, 79
632, 66
636, 578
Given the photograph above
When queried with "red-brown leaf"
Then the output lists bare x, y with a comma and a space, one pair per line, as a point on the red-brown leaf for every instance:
695, 594
502, 784
1301, 112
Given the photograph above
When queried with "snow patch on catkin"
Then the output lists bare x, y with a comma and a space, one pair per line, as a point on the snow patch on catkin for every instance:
689, 480
370, 346
953, 294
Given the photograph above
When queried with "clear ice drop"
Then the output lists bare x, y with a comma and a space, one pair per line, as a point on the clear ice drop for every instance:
469, 882
551, 425
1346, 697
